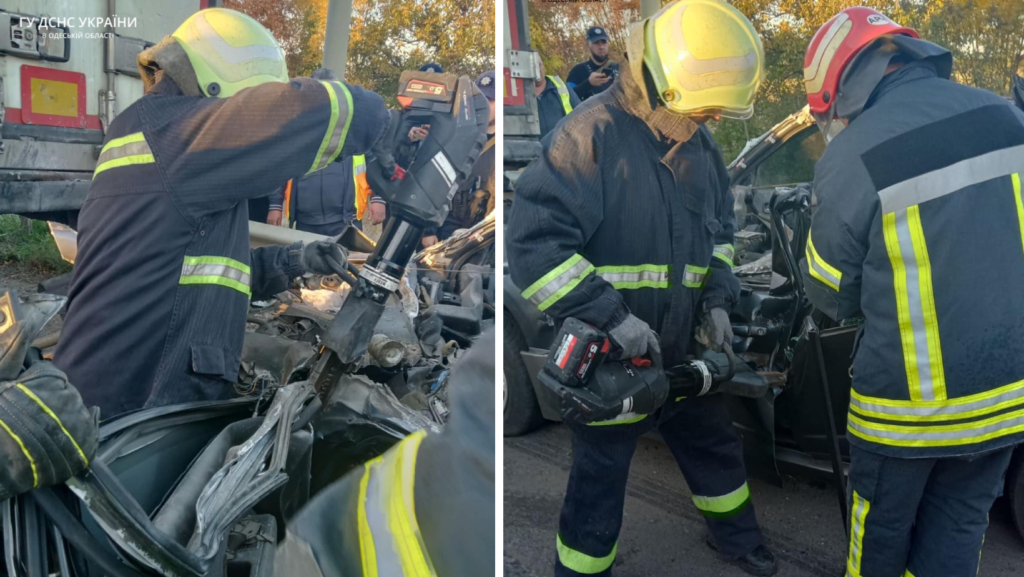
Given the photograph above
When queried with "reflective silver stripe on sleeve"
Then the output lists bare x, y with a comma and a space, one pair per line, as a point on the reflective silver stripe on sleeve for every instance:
725, 252
939, 183
644, 276
341, 126
554, 285
218, 270
694, 276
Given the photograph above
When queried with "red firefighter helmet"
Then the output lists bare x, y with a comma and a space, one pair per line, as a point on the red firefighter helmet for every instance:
834, 47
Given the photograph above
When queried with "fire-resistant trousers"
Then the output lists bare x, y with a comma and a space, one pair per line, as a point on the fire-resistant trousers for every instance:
920, 517
704, 443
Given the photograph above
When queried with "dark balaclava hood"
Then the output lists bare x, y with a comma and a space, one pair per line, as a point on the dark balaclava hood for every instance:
170, 57
638, 98
862, 76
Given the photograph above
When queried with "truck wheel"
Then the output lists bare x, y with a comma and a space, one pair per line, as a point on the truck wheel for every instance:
522, 413
1015, 490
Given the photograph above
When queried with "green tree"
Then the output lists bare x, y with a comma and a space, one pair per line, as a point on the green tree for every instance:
386, 37
986, 38
390, 36
296, 24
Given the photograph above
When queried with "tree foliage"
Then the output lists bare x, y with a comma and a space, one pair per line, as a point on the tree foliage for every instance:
389, 36
386, 37
298, 25
986, 38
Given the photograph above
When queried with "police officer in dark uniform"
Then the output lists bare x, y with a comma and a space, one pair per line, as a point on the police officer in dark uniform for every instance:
161, 287
596, 74
625, 222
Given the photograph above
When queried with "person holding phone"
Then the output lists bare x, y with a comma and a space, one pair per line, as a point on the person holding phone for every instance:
596, 74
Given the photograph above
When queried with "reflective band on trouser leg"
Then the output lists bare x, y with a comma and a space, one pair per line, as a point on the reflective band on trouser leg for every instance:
563, 93
389, 534
551, 287
959, 408
635, 276
56, 419
337, 127
581, 562
725, 252
24, 451
124, 151
1015, 179
915, 304
216, 270
623, 419
859, 514
820, 269
694, 276
725, 506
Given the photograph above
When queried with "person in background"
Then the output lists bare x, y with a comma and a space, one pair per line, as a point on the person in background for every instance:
555, 100
596, 74
327, 201
475, 197
405, 150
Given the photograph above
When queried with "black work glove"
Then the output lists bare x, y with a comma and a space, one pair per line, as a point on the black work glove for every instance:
324, 257
634, 338
715, 330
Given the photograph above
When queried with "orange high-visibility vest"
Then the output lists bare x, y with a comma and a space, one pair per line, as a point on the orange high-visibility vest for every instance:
363, 192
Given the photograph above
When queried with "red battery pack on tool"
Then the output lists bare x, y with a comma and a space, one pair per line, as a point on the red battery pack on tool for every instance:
579, 348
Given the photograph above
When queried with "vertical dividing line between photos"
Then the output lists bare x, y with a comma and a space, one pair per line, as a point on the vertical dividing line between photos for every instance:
499, 320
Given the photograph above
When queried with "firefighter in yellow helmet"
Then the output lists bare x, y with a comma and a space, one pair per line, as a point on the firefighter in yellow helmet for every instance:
625, 222
164, 274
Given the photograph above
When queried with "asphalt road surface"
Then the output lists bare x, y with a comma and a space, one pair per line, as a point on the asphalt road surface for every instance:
662, 532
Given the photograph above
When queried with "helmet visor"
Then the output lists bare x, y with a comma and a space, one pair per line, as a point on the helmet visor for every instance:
828, 124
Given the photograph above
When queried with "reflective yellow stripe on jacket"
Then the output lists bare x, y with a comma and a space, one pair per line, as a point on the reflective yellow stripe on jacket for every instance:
563, 93
337, 127
551, 287
216, 270
389, 536
930, 418
124, 151
820, 269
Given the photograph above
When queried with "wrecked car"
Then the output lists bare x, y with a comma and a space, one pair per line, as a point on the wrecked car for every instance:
334, 372
800, 425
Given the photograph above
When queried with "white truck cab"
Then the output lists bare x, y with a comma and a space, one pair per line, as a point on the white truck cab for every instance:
67, 68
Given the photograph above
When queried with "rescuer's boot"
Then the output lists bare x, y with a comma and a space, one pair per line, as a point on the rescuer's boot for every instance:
759, 562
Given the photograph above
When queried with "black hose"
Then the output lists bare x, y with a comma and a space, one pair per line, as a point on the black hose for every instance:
78, 536
349, 278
